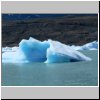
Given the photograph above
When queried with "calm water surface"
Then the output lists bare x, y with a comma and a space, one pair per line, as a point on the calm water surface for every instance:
57, 74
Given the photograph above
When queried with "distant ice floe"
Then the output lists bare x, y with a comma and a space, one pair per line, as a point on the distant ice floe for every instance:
9, 49
89, 46
49, 51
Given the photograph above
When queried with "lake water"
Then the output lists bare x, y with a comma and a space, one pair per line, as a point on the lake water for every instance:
58, 74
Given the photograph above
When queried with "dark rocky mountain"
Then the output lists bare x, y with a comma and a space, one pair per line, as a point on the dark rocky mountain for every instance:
70, 29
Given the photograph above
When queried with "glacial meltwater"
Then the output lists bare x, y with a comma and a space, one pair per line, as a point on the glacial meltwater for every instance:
83, 73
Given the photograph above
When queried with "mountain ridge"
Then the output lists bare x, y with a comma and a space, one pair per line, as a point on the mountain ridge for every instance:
69, 29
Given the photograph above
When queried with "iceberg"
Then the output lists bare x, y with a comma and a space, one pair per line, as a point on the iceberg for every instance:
34, 50
89, 46
6, 49
9, 49
48, 51
59, 52
76, 47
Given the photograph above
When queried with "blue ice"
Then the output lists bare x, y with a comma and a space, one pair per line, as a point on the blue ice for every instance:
48, 51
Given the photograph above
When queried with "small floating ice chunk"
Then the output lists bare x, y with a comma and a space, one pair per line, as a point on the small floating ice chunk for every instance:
89, 46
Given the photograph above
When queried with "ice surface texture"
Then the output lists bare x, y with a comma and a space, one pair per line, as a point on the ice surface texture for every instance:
49, 51
89, 46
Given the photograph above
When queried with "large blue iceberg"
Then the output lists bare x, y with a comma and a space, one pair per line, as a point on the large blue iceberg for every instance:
48, 51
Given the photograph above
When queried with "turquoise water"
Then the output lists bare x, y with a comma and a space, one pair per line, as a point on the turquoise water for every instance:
57, 74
